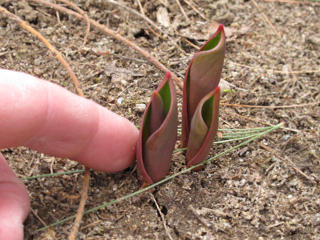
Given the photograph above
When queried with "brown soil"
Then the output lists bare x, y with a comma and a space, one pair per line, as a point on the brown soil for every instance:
250, 194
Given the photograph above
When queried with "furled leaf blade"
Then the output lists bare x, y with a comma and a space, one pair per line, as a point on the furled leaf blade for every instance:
154, 150
206, 115
202, 76
198, 133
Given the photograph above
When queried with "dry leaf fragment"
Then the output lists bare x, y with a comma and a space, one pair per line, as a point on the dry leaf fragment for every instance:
163, 17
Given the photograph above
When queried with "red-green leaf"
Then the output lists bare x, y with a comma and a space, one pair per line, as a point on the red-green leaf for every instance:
202, 76
158, 133
203, 128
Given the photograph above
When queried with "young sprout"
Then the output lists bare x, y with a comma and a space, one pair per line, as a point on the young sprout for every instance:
158, 133
201, 96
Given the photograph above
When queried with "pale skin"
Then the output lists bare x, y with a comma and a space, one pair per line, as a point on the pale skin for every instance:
48, 118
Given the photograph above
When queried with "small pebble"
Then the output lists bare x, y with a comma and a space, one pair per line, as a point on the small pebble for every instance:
119, 100
286, 137
124, 82
140, 107
242, 182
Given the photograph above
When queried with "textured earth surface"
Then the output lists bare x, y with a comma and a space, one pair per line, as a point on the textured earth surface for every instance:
268, 189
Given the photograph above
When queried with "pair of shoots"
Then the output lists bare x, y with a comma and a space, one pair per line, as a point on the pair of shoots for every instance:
200, 111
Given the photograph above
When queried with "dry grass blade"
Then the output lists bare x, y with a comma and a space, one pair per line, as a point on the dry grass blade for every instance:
262, 122
289, 162
84, 196
189, 2
182, 10
162, 216
204, 221
190, 43
140, 7
84, 15
266, 19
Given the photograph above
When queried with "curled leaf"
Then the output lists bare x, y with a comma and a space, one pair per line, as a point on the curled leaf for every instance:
203, 128
202, 76
158, 133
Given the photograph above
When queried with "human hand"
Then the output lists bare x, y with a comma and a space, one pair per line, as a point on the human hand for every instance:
48, 118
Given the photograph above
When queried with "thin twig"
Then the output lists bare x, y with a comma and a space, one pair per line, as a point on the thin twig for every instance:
189, 2
265, 123
38, 217
140, 7
85, 18
270, 107
161, 215
92, 224
190, 43
287, 160
144, 17
56, 53
58, 16
117, 36
266, 19
51, 232
83, 199
201, 219
182, 10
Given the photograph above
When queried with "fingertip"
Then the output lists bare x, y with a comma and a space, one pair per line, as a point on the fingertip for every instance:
126, 153
11, 224
112, 149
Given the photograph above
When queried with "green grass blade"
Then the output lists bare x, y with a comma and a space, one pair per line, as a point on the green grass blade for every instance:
237, 138
245, 129
52, 174
165, 179
231, 137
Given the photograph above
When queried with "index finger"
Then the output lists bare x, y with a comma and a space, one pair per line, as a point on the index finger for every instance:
52, 120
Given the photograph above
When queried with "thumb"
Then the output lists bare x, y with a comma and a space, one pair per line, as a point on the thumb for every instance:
14, 203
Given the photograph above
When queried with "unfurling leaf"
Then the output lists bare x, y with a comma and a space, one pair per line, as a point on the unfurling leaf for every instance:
158, 133
203, 128
202, 77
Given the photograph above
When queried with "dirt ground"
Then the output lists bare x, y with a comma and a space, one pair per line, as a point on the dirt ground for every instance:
272, 59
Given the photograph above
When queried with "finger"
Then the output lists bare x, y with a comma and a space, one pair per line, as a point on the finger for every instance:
14, 203
50, 119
